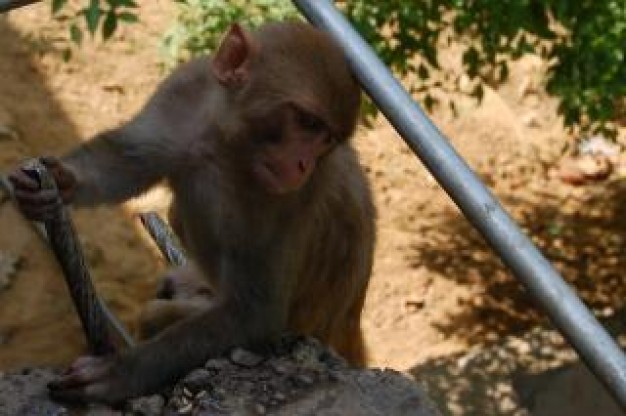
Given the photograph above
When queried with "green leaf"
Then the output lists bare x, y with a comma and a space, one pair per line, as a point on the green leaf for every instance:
76, 34
429, 102
478, 92
127, 17
57, 5
504, 72
127, 3
92, 16
67, 54
109, 26
471, 60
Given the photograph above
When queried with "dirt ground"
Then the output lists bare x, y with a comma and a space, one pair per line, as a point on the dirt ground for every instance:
437, 289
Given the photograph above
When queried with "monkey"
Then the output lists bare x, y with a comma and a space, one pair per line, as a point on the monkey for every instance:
269, 200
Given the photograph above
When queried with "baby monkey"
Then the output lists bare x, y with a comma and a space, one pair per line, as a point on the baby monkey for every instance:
270, 203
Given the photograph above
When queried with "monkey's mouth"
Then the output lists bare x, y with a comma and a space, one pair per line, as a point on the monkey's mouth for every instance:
269, 177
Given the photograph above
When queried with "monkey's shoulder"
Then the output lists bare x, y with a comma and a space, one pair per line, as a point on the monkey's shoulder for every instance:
189, 80
345, 180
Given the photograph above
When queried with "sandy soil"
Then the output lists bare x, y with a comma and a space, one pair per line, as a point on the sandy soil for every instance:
437, 289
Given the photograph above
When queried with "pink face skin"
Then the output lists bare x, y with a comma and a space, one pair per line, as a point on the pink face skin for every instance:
293, 139
288, 161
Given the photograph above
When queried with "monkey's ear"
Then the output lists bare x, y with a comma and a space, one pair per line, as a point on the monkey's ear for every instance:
230, 63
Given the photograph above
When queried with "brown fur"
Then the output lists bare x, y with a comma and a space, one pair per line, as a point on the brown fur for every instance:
297, 258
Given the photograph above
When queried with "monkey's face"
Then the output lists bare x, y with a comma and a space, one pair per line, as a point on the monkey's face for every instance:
293, 96
289, 144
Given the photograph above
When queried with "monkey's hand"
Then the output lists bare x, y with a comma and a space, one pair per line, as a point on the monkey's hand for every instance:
184, 283
159, 314
99, 379
39, 204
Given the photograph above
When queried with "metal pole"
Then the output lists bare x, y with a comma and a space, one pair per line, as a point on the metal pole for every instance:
6, 5
569, 314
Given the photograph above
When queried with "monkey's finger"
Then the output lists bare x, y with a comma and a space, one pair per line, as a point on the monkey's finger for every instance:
98, 392
21, 180
83, 361
49, 161
64, 382
102, 392
77, 377
38, 216
76, 395
39, 198
62, 175
39, 213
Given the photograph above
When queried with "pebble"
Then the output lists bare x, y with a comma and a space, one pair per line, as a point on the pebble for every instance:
186, 409
245, 358
279, 367
304, 379
216, 364
279, 396
151, 405
197, 380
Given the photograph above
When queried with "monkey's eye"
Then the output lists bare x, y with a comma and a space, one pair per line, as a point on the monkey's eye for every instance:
310, 122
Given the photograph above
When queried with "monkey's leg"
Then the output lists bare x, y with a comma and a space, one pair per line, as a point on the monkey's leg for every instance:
347, 339
184, 283
159, 314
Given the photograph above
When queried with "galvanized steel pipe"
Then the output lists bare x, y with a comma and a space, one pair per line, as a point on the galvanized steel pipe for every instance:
7, 5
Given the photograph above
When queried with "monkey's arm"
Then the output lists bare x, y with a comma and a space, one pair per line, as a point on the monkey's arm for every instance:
162, 360
247, 312
124, 162
118, 164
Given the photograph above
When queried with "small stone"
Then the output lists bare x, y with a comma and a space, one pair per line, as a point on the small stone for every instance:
216, 364
149, 405
280, 367
197, 380
175, 402
307, 352
260, 409
279, 396
186, 409
245, 358
209, 405
304, 379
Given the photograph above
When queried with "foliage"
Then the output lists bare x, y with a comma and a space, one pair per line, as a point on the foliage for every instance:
201, 23
585, 41
93, 15
590, 76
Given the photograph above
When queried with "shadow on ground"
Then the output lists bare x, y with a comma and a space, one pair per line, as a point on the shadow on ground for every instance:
584, 237
532, 374
38, 325
517, 361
